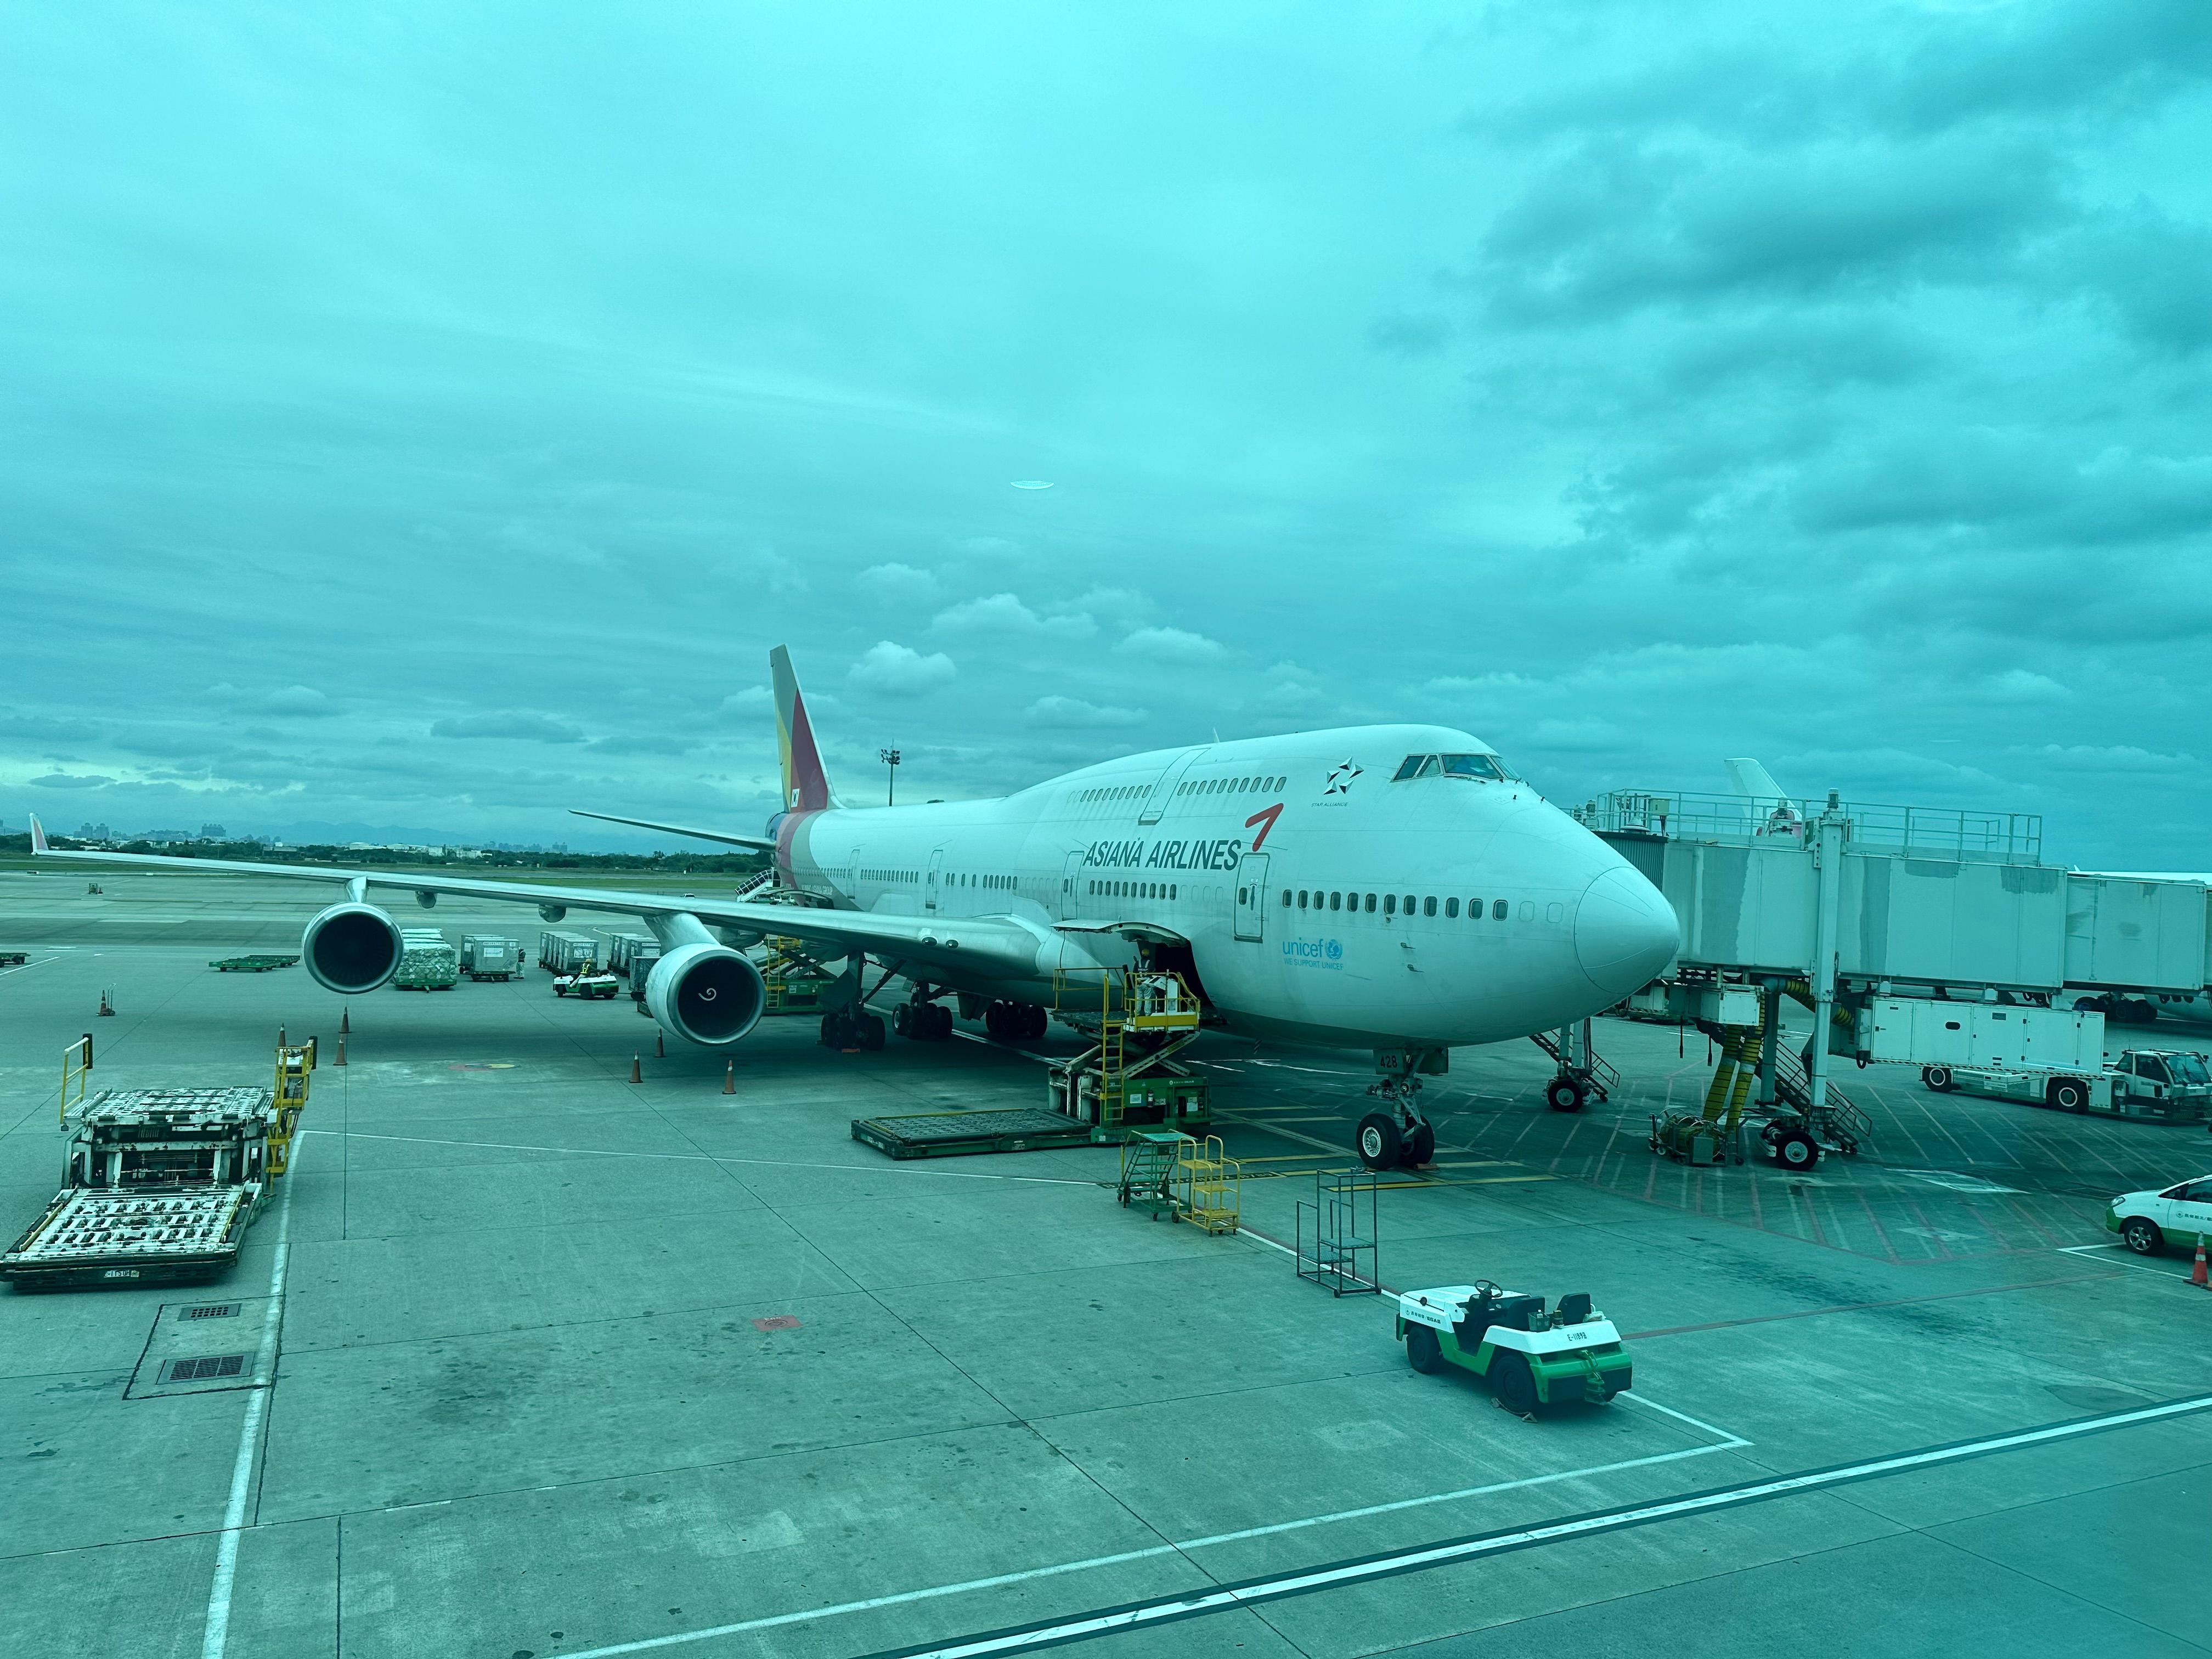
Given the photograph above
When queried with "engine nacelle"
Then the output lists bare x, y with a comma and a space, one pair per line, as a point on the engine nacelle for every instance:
351, 948
708, 995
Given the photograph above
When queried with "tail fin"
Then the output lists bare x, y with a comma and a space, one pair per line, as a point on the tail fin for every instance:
805, 784
1753, 781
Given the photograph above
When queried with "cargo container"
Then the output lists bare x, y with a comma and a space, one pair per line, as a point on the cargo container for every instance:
563, 953
490, 956
426, 963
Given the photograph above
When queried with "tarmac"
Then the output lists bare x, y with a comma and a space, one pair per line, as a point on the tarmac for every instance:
567, 1365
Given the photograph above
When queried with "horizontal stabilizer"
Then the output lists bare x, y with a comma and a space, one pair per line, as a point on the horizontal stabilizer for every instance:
758, 843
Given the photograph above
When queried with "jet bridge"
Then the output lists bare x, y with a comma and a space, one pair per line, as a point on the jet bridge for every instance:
1867, 913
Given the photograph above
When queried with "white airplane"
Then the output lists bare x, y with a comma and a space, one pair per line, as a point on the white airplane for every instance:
1392, 888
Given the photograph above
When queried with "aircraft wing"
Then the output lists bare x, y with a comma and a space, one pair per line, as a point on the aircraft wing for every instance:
994, 946
759, 843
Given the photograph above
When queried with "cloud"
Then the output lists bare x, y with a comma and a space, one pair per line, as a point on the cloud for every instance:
753, 699
2019, 685
1005, 613
891, 668
70, 781
517, 725
1172, 645
1409, 334
897, 585
299, 701
1073, 714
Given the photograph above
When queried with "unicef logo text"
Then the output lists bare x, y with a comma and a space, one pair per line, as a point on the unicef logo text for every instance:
1323, 953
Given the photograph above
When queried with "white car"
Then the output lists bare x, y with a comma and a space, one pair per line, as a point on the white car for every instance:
2147, 1221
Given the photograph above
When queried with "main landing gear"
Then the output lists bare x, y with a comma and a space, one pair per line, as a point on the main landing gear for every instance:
1398, 1137
923, 1022
850, 1032
1016, 1021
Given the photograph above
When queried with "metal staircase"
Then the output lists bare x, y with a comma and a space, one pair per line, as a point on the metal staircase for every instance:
1596, 1075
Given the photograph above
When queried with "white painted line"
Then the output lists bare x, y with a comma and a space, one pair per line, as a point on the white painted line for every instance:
1636, 1399
2120, 1260
709, 1157
217, 1629
1148, 1614
1153, 1552
26, 966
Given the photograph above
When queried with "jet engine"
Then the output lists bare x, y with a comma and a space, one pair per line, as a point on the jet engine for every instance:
708, 995
351, 948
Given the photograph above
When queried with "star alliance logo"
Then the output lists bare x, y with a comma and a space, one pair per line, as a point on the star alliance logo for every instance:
1339, 782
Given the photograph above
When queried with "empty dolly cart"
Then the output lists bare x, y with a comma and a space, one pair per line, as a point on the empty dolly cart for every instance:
1336, 1233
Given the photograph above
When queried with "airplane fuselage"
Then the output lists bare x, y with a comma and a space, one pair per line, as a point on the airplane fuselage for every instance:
1324, 899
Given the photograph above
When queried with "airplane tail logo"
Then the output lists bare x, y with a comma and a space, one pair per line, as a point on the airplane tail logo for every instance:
805, 784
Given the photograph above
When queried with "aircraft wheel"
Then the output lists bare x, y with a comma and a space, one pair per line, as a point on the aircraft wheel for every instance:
1795, 1150
1421, 1145
1512, 1383
871, 1030
833, 1030
1564, 1095
1035, 1022
1378, 1141
900, 1015
1423, 1352
940, 1023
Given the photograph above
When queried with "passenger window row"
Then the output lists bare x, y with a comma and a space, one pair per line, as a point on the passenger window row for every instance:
1391, 904
1144, 889
1002, 883
890, 875
1230, 786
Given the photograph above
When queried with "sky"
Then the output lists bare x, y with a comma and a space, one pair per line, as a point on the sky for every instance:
422, 420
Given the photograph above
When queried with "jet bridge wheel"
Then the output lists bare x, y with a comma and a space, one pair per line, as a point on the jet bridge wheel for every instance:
1378, 1141
1795, 1150
1564, 1094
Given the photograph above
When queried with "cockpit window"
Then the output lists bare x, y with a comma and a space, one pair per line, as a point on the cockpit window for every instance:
1475, 766
1488, 767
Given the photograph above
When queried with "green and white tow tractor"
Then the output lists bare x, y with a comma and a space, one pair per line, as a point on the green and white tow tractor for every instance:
1529, 1356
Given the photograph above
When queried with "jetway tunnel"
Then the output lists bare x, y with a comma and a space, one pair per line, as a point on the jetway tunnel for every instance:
1883, 920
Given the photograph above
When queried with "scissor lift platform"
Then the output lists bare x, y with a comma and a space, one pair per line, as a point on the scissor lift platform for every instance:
952, 1134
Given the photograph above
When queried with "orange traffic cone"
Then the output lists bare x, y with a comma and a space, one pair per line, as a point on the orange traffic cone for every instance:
341, 1058
635, 1074
105, 1012
2196, 1275
345, 1021
730, 1079
281, 1043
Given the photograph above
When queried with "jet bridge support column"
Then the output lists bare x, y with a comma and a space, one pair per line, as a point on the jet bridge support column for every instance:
1770, 1040
1828, 852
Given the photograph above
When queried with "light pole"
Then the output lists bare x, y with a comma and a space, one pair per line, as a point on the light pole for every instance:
890, 758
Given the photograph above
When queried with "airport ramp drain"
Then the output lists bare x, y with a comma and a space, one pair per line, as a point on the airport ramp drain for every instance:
213, 1311
205, 1369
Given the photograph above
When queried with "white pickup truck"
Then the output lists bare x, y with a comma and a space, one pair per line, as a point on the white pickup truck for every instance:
2148, 1222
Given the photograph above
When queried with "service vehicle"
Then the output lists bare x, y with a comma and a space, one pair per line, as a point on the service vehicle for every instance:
2169, 1085
1529, 1356
2177, 1215
588, 982
160, 1185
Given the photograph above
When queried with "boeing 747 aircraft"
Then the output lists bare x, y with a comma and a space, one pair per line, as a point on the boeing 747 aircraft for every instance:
1391, 888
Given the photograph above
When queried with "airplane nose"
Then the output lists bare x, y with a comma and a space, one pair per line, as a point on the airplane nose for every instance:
1625, 932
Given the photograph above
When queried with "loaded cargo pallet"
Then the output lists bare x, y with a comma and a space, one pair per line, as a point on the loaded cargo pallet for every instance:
952, 1134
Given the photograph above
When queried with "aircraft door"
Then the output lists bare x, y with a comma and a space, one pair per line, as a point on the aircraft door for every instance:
929, 887
1252, 895
1071, 888
1162, 791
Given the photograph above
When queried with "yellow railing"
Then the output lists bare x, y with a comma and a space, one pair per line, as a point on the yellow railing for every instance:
294, 1064
76, 1063
1209, 1187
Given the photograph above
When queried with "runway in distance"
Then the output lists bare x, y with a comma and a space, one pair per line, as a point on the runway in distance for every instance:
1391, 888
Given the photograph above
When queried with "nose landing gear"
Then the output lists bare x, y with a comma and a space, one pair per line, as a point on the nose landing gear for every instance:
1399, 1137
